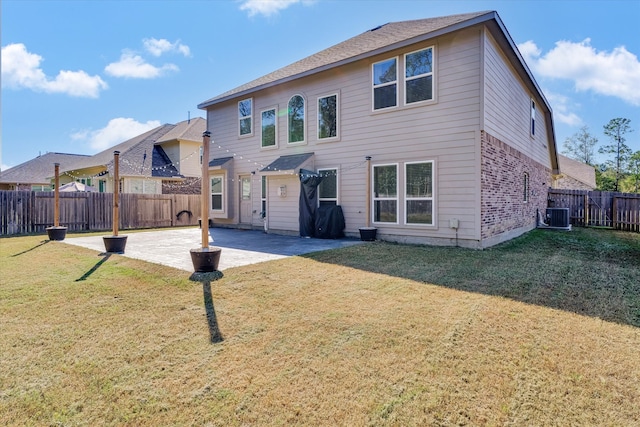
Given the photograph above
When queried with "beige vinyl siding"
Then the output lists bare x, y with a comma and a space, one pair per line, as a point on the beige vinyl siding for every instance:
189, 159
282, 212
445, 131
185, 156
507, 109
172, 149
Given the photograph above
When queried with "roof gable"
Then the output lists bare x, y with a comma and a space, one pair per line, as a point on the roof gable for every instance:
397, 35
133, 154
161, 166
188, 130
372, 42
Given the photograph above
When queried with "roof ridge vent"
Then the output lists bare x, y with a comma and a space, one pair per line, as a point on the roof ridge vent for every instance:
378, 27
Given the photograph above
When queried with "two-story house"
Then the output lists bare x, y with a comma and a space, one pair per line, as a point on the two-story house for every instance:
432, 131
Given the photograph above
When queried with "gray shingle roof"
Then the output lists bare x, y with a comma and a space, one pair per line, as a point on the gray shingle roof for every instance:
135, 155
161, 166
190, 130
577, 170
393, 36
287, 163
138, 155
219, 162
378, 40
40, 169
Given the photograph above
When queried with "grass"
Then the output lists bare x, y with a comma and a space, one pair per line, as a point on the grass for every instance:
542, 330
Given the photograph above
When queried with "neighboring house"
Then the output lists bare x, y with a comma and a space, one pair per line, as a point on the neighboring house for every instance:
433, 131
575, 175
164, 160
34, 174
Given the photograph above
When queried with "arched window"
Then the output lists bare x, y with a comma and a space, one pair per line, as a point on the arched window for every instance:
296, 119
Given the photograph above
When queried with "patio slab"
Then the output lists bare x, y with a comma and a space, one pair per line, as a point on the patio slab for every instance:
239, 247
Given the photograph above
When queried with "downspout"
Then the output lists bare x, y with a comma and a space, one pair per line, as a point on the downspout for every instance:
368, 208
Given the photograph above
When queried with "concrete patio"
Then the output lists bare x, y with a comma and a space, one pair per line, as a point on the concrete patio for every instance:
239, 247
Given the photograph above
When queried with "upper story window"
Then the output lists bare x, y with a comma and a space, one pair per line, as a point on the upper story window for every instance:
385, 84
418, 68
328, 188
385, 193
269, 128
328, 117
245, 117
296, 119
533, 117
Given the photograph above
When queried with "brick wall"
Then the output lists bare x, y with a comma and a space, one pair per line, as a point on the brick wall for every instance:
570, 183
502, 181
188, 186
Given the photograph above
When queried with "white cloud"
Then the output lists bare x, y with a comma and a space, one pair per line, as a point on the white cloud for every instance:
615, 73
157, 47
21, 70
269, 7
131, 65
562, 106
117, 130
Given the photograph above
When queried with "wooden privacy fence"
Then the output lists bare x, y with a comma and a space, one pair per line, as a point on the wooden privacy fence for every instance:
620, 211
23, 212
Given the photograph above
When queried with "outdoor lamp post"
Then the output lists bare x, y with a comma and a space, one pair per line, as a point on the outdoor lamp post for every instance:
205, 190
205, 259
115, 243
56, 232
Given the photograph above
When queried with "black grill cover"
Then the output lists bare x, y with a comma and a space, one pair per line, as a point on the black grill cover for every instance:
329, 222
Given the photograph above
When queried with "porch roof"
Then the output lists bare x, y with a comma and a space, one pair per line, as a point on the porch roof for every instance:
218, 163
290, 164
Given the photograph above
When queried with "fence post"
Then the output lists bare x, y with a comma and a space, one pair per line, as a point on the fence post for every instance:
586, 209
614, 212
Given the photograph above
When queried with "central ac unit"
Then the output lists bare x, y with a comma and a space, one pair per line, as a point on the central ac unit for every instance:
558, 217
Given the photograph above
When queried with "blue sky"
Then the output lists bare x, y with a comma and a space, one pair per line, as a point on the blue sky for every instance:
82, 76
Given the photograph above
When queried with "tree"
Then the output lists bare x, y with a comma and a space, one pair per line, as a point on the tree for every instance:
634, 171
605, 179
616, 129
580, 146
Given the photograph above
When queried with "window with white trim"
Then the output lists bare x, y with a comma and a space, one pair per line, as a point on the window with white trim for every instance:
385, 193
328, 116
533, 117
419, 193
217, 193
328, 188
385, 84
296, 119
245, 117
418, 69
269, 126
143, 186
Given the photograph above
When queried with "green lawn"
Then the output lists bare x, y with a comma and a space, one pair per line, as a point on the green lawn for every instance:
542, 330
